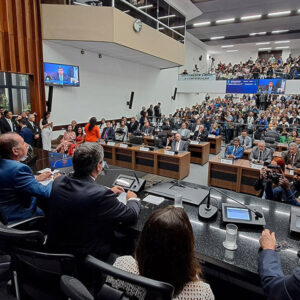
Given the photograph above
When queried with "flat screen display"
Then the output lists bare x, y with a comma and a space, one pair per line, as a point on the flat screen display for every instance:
238, 213
271, 86
58, 160
242, 86
61, 75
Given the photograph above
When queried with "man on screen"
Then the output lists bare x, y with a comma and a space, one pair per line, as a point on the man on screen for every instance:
61, 75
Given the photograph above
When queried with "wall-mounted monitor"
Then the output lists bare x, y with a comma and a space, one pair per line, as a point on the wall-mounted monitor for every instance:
61, 75
242, 86
271, 86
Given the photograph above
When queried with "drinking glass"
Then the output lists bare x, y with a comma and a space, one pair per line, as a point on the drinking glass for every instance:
231, 237
178, 201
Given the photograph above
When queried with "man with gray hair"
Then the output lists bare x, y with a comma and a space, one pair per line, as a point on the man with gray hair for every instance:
261, 154
292, 156
82, 213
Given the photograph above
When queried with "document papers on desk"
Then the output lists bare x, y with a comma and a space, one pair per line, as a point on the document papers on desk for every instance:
154, 199
122, 198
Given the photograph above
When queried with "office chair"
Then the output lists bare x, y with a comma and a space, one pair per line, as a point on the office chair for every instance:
155, 290
74, 289
37, 274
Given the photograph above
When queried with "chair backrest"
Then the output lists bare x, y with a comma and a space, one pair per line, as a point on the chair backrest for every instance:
155, 290
38, 274
269, 140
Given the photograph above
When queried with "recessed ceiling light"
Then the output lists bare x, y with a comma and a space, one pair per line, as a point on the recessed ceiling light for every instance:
263, 49
257, 33
263, 43
217, 37
227, 46
232, 50
253, 33
201, 24
166, 17
282, 47
225, 20
279, 31
298, 11
279, 13
145, 6
281, 42
247, 18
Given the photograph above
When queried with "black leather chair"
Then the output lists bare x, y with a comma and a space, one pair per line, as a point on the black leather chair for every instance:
155, 290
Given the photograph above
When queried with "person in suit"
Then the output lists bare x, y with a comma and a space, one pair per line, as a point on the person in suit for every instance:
167, 126
184, 132
201, 134
157, 112
19, 187
147, 129
25, 132
178, 144
292, 156
195, 126
108, 132
132, 126
6, 123
82, 213
245, 140
261, 154
150, 112
275, 284
235, 151
36, 131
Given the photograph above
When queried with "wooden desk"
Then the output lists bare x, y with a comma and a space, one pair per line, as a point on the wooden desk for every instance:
277, 154
282, 147
215, 144
123, 157
144, 161
149, 140
247, 153
224, 175
199, 153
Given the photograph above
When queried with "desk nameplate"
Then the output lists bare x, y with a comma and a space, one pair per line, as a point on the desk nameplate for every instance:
227, 161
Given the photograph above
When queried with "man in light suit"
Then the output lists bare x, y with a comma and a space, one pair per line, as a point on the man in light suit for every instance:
276, 285
292, 156
245, 140
261, 154
147, 129
19, 187
108, 132
235, 151
82, 213
184, 132
178, 144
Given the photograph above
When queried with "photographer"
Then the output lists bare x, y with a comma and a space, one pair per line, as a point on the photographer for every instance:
268, 182
292, 189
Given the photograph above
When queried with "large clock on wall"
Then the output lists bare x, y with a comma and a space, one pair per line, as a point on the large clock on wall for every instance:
137, 25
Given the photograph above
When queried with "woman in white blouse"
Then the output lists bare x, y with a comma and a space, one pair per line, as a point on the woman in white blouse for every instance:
46, 127
165, 252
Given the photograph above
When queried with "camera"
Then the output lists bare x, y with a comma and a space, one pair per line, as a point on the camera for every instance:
274, 176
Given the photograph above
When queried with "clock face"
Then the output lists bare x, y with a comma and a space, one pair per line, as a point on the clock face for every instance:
137, 25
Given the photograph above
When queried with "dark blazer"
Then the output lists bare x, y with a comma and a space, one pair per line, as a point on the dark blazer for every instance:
83, 215
26, 134
35, 130
277, 286
286, 155
110, 133
132, 127
182, 147
5, 127
148, 131
19, 190
203, 136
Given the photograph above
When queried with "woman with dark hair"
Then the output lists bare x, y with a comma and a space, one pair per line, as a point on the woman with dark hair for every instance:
92, 131
46, 129
165, 252
79, 140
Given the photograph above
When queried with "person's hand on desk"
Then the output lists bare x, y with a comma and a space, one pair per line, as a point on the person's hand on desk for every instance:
117, 190
56, 176
130, 194
267, 240
230, 156
44, 176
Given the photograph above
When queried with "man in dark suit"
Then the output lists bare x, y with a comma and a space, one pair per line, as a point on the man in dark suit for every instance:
82, 213
36, 131
178, 144
292, 156
108, 132
147, 129
19, 187
132, 126
6, 123
157, 112
25, 132
201, 134
276, 285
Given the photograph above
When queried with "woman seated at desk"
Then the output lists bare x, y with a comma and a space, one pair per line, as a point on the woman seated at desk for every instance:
214, 130
79, 140
67, 140
165, 252
292, 137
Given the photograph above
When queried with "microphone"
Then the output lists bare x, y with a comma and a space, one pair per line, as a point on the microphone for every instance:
207, 211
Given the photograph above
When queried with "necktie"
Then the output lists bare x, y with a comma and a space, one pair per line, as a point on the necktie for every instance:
177, 146
259, 155
292, 159
105, 134
234, 151
243, 141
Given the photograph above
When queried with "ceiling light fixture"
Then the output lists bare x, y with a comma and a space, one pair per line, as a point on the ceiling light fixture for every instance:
145, 6
227, 46
201, 24
166, 17
177, 27
225, 21
263, 43
279, 13
279, 31
281, 42
282, 47
264, 49
232, 50
247, 18
217, 37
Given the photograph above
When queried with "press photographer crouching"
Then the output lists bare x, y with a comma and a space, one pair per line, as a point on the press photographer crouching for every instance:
292, 189
269, 181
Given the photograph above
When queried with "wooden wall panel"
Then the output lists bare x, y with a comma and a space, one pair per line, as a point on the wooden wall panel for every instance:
21, 46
